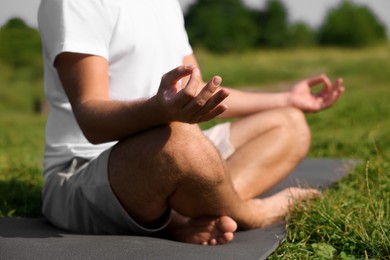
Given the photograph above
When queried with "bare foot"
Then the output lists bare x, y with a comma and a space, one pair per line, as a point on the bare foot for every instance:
275, 208
202, 231
218, 231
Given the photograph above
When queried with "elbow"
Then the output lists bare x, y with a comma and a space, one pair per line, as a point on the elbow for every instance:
95, 140
94, 136
89, 126
93, 133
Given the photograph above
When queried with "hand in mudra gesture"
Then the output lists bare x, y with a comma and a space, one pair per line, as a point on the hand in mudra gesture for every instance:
302, 97
194, 102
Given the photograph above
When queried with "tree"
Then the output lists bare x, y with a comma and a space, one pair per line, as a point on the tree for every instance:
221, 25
20, 45
351, 25
300, 35
273, 25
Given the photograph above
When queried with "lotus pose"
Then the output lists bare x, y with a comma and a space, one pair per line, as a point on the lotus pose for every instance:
124, 153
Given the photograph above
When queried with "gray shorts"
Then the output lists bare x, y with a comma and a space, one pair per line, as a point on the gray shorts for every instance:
78, 196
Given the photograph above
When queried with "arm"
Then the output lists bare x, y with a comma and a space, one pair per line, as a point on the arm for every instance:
86, 83
241, 103
300, 96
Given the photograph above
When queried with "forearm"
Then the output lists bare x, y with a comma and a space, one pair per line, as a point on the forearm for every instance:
242, 103
106, 120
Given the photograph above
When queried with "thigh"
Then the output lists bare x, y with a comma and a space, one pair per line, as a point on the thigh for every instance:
144, 169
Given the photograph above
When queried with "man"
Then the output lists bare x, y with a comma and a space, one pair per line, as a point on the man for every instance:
124, 154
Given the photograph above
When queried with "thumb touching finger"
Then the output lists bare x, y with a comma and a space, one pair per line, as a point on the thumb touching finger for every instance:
175, 75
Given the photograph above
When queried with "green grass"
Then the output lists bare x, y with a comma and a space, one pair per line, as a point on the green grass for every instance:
21, 151
351, 221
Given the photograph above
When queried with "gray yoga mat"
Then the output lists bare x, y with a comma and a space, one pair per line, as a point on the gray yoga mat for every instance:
24, 238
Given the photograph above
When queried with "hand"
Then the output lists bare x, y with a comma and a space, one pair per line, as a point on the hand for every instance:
194, 102
301, 96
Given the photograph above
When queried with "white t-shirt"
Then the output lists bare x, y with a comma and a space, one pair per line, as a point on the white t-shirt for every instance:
141, 39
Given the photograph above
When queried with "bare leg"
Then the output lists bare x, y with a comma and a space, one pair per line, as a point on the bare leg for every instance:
268, 145
176, 167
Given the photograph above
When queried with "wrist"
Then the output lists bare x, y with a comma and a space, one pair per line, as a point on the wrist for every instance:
285, 99
159, 111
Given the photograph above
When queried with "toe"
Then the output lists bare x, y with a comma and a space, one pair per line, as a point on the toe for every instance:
213, 242
226, 224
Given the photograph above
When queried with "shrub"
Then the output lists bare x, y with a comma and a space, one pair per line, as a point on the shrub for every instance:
301, 35
273, 25
351, 25
20, 45
221, 25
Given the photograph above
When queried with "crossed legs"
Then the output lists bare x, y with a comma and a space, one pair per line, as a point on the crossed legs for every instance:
176, 167
268, 147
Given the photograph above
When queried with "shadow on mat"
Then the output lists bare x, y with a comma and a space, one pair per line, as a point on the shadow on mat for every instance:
28, 228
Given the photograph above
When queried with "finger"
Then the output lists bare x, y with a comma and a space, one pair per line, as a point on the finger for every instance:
339, 84
330, 99
173, 76
327, 98
339, 81
212, 114
338, 88
208, 91
203, 97
191, 89
206, 115
327, 85
189, 92
214, 101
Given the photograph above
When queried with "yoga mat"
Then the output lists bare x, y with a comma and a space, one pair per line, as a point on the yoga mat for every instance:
25, 238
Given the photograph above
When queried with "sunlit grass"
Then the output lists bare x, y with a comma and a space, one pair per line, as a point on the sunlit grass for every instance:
352, 220
265, 67
21, 153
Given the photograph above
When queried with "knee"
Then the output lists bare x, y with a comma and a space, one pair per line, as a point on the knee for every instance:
295, 118
194, 155
294, 121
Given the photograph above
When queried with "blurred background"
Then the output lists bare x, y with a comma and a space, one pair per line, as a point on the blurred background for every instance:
214, 26
250, 23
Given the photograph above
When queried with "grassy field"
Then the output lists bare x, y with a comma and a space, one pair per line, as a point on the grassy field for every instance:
351, 221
